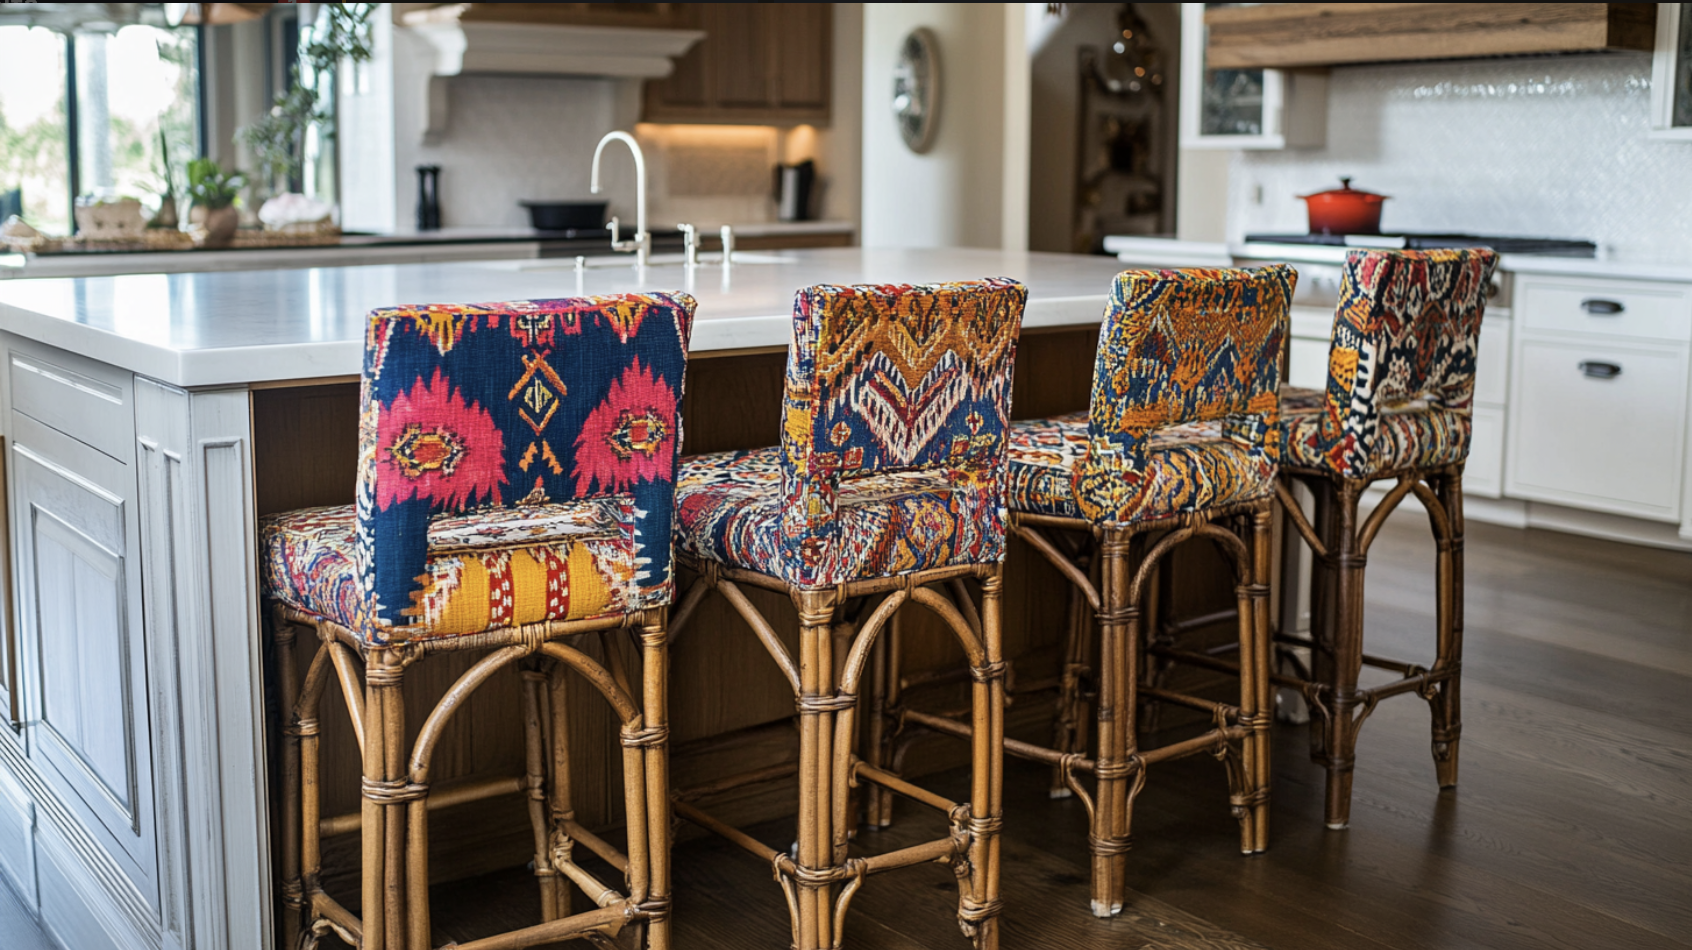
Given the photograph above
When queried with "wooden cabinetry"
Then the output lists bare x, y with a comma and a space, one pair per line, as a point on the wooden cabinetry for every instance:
1297, 35
762, 63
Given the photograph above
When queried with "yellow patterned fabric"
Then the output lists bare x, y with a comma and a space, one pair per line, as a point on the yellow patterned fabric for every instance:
1189, 467
573, 561
1177, 348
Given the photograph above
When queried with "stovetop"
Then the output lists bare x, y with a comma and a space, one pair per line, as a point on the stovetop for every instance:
1559, 247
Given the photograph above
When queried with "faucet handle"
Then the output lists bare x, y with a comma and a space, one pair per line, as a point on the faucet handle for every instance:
690, 239
615, 224
728, 244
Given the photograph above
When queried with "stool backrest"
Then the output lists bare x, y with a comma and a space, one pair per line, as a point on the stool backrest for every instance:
1181, 347
521, 405
891, 378
1405, 329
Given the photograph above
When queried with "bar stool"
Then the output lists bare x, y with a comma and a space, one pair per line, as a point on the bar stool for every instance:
1401, 384
889, 479
514, 490
1180, 441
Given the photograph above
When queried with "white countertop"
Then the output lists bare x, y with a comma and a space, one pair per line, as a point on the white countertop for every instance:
1164, 252
238, 327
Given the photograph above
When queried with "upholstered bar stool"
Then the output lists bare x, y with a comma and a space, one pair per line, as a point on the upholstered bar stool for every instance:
1401, 384
514, 491
1180, 441
889, 479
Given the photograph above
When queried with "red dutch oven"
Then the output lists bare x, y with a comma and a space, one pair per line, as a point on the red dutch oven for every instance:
1344, 210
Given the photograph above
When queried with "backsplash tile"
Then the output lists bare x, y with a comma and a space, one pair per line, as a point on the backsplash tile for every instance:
1543, 146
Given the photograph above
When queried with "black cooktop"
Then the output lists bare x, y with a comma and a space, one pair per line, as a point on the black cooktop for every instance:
1559, 247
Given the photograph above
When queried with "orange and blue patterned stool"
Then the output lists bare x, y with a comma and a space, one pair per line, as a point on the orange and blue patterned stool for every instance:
1180, 441
515, 490
1401, 385
890, 478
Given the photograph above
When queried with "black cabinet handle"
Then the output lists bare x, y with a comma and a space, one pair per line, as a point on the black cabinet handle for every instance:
1599, 307
1598, 370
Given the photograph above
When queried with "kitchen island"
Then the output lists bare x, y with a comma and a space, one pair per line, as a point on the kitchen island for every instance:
150, 420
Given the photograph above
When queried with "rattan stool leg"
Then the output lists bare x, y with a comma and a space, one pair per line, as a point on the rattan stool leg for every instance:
979, 914
283, 634
560, 806
1257, 703
1346, 709
655, 686
1068, 713
1118, 647
816, 732
534, 780
1447, 698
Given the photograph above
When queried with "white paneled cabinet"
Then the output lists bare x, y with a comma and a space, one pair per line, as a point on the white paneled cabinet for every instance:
1598, 405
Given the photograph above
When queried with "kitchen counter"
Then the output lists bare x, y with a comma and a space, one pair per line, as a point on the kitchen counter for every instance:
446, 244
244, 327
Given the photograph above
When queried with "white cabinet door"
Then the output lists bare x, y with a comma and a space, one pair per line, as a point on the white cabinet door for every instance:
1246, 108
80, 637
1483, 474
1599, 426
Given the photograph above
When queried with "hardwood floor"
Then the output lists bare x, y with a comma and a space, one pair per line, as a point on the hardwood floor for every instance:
1572, 827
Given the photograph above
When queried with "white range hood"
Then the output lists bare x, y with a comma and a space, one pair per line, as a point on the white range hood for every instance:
468, 46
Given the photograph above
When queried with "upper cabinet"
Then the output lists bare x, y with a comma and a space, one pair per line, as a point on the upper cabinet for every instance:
1294, 35
1249, 108
1671, 74
759, 63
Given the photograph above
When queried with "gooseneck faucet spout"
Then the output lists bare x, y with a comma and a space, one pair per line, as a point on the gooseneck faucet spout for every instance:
642, 243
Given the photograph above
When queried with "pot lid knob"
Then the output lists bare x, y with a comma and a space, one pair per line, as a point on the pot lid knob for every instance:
1345, 182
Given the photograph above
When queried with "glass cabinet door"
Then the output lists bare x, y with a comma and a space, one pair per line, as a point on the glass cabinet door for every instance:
1245, 108
1671, 74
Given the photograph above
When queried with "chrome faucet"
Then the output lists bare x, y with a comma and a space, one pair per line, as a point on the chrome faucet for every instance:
641, 245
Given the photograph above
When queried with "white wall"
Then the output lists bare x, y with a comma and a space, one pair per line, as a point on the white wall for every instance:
1545, 146
970, 188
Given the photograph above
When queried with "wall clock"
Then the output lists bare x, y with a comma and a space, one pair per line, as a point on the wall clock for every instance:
916, 89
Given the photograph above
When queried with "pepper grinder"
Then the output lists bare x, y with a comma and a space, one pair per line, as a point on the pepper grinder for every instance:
428, 197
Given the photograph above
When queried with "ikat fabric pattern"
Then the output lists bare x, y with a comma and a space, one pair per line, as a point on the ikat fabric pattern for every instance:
1401, 364
498, 420
892, 456
1409, 435
311, 562
1177, 348
1190, 467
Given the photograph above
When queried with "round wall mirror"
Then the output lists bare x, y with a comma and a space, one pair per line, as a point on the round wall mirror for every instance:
916, 89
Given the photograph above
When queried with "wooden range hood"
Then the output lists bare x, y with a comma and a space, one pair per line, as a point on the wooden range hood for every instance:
1302, 35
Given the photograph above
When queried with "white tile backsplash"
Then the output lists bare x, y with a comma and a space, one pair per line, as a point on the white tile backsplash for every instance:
1543, 146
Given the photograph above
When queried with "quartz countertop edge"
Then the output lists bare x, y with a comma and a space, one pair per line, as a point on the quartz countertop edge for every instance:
231, 329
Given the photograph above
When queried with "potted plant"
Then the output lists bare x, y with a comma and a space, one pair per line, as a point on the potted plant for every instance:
214, 192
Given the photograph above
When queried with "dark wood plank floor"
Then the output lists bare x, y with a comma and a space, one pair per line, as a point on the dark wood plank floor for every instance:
1572, 827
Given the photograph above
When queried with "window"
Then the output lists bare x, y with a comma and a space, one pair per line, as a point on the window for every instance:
90, 121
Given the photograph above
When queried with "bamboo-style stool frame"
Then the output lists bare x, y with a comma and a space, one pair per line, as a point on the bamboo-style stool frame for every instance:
827, 681
397, 799
1340, 540
1109, 568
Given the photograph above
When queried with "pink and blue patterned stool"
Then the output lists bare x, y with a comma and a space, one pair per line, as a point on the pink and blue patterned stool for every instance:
515, 490
1180, 441
890, 478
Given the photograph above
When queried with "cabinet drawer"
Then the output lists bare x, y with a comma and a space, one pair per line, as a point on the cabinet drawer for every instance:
1307, 363
88, 401
1609, 307
1483, 474
1607, 444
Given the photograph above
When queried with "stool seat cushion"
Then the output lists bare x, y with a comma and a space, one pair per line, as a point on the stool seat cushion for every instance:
485, 570
729, 510
1190, 467
1407, 436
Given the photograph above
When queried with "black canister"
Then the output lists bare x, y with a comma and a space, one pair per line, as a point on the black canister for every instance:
428, 197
